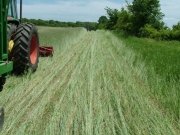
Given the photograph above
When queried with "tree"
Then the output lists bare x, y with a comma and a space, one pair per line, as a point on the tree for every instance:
51, 22
145, 12
176, 31
177, 26
112, 18
102, 19
102, 22
41, 22
78, 24
94, 25
124, 20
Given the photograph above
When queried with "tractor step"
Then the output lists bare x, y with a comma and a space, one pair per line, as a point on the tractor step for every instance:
46, 51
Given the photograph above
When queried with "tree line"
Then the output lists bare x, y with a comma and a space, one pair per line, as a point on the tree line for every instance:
142, 18
52, 23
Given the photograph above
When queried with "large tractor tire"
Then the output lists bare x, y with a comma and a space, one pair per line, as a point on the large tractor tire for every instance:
26, 48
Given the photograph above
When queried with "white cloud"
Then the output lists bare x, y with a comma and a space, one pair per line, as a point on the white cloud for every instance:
171, 9
69, 10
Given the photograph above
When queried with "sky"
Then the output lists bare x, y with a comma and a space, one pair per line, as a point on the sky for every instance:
88, 10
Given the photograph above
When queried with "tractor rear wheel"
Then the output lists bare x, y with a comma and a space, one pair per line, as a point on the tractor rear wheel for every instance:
26, 48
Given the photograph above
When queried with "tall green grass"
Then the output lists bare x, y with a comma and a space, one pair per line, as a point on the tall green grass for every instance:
162, 64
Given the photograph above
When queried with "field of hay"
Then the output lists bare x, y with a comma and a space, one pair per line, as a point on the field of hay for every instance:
90, 86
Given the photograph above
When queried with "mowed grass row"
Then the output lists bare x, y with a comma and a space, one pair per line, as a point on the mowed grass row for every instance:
22, 94
89, 86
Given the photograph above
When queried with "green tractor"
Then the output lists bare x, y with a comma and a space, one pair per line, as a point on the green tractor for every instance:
19, 47
19, 44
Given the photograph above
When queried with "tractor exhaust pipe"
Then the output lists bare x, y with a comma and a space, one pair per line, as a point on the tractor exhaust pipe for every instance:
20, 20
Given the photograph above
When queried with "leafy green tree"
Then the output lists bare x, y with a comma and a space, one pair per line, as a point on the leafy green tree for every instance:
112, 18
102, 22
51, 23
94, 25
78, 24
177, 26
102, 19
176, 31
25, 20
145, 12
124, 20
41, 22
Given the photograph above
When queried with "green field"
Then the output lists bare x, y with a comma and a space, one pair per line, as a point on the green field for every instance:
96, 83
162, 65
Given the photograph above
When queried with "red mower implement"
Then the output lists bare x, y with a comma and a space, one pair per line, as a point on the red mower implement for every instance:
46, 51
